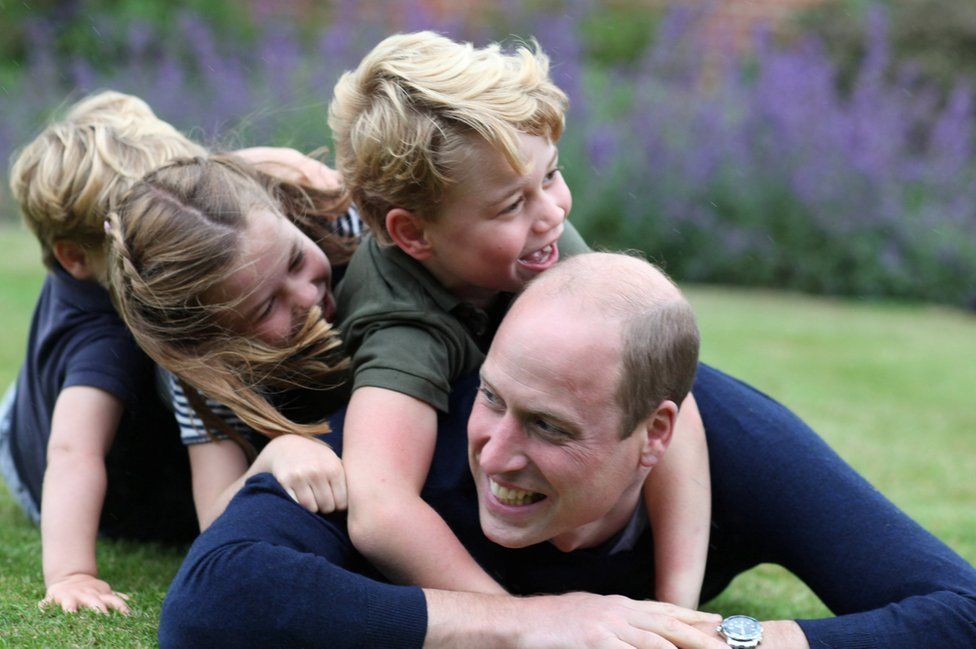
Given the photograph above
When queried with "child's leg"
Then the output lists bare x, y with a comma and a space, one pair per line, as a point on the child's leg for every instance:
7, 468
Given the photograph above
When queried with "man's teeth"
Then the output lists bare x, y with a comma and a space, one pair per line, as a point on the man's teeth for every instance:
539, 255
513, 496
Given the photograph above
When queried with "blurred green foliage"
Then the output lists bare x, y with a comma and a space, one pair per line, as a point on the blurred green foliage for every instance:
937, 38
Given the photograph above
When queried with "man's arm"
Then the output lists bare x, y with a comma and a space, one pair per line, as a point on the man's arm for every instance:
580, 620
269, 573
388, 444
781, 495
83, 427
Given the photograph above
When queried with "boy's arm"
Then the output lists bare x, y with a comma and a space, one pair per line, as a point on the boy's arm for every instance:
83, 427
388, 444
678, 497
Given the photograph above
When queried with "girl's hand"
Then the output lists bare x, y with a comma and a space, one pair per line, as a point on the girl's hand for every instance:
292, 166
309, 470
84, 591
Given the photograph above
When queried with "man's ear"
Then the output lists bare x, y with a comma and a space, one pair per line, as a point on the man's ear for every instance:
656, 431
407, 231
74, 258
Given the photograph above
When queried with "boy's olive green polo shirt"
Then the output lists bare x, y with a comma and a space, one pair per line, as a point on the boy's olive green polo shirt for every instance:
405, 332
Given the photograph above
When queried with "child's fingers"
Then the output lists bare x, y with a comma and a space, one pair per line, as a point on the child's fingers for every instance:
324, 499
291, 494
338, 483
115, 602
305, 497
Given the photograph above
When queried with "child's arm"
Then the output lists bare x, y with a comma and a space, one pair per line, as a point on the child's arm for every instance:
83, 427
291, 166
678, 495
308, 469
388, 445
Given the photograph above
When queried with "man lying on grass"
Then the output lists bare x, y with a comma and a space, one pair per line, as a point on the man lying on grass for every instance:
557, 455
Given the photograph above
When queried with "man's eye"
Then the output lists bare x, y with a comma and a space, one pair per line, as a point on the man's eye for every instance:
490, 397
549, 429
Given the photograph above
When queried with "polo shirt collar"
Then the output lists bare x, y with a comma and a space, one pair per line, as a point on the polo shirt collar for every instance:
477, 320
83, 295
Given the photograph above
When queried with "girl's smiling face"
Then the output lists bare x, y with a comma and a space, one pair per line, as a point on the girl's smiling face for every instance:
280, 274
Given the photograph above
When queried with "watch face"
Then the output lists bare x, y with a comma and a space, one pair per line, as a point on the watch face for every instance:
741, 627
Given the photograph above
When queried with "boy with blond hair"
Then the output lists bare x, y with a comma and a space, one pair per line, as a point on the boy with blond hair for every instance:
450, 154
86, 446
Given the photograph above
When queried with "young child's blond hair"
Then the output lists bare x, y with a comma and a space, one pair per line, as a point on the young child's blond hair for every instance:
69, 177
177, 234
404, 118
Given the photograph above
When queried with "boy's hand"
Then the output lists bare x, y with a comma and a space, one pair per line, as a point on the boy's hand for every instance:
84, 591
309, 470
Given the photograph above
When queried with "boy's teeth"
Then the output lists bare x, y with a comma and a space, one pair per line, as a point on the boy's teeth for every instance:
513, 496
539, 255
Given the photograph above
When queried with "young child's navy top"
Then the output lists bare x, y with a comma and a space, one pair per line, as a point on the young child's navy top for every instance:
77, 339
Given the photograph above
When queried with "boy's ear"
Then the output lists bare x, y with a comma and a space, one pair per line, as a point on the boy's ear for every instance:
407, 231
656, 431
74, 258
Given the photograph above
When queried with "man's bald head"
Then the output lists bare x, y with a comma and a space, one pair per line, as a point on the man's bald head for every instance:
636, 301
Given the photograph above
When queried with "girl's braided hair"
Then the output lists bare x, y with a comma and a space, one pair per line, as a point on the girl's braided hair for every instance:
175, 235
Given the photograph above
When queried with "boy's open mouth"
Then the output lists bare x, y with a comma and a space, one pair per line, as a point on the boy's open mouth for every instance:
543, 257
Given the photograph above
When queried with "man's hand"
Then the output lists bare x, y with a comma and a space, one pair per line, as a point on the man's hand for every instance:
585, 620
309, 470
567, 621
84, 591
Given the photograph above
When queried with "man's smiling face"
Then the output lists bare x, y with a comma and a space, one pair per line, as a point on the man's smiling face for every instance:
544, 440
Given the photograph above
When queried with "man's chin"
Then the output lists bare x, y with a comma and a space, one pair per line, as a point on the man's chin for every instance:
506, 535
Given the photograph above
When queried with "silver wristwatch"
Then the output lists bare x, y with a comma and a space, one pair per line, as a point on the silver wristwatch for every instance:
741, 631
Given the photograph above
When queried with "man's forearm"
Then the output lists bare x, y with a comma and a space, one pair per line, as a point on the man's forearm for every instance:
571, 621
783, 634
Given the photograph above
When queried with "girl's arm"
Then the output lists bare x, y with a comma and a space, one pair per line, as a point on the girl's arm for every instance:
388, 444
215, 469
83, 427
308, 469
678, 496
291, 166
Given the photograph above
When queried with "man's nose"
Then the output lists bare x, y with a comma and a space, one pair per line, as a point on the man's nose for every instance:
503, 450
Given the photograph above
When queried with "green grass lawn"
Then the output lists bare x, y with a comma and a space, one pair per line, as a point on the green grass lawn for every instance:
889, 386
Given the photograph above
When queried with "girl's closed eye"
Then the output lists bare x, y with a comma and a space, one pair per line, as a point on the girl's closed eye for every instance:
266, 310
297, 259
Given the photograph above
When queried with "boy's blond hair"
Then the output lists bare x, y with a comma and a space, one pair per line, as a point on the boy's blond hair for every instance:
403, 119
71, 175
175, 236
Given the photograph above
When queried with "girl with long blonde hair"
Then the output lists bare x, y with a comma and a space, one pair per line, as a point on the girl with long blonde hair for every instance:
182, 241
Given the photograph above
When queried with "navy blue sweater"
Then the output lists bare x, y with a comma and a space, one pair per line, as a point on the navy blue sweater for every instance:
268, 573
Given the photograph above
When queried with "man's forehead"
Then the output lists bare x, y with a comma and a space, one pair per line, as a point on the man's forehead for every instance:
549, 354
